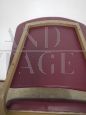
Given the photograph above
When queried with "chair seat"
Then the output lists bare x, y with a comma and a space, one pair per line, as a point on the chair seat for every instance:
46, 105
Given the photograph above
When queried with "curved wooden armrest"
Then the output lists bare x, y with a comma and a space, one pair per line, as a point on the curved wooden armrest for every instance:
2, 99
2, 105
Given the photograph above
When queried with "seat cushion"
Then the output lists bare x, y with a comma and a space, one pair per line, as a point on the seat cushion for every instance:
47, 105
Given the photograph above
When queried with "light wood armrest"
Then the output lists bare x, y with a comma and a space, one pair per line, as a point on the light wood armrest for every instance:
2, 105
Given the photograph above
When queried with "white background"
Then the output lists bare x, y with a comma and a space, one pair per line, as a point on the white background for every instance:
13, 12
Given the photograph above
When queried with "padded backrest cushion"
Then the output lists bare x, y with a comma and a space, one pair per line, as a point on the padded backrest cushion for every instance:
63, 65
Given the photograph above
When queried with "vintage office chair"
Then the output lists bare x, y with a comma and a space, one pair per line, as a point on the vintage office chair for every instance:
47, 71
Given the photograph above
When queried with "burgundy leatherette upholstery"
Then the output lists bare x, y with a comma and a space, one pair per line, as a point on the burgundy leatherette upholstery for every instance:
68, 41
47, 105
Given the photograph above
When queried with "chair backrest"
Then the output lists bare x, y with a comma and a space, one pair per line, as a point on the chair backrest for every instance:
51, 57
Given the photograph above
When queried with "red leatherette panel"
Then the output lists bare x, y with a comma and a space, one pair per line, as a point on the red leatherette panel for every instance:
41, 75
47, 105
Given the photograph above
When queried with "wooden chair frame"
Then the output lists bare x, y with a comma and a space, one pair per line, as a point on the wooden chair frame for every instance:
16, 58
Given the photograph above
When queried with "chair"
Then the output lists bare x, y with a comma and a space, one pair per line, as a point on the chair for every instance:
47, 70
